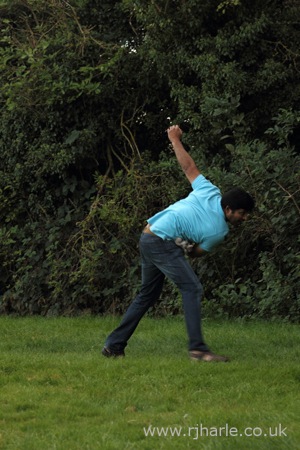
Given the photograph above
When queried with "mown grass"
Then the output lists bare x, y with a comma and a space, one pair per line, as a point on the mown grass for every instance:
58, 392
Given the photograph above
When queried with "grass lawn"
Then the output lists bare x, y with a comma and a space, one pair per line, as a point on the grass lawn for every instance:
58, 392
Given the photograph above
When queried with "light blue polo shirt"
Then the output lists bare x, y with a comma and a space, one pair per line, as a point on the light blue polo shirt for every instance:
198, 218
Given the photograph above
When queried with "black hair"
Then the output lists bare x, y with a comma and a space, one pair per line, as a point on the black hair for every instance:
237, 198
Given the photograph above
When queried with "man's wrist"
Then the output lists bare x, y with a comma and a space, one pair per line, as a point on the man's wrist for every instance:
175, 141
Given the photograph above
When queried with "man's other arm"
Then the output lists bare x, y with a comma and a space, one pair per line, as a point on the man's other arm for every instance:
196, 252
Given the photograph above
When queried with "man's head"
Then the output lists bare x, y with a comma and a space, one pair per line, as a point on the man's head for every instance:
237, 204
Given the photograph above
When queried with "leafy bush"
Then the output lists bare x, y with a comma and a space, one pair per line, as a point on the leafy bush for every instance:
87, 90
260, 276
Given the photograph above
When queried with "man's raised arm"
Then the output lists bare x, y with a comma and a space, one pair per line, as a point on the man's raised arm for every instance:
185, 160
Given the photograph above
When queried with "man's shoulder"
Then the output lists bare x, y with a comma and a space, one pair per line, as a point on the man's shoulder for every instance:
201, 182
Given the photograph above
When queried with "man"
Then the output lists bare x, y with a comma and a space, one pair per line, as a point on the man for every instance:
190, 226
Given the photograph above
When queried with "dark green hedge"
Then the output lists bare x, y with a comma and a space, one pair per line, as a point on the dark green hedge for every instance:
87, 90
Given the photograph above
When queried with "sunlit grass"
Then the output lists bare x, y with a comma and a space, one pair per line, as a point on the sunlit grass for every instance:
58, 392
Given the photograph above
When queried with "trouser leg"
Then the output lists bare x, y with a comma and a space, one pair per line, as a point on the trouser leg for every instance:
182, 274
152, 283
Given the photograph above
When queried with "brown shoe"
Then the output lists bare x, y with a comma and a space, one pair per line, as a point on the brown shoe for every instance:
196, 355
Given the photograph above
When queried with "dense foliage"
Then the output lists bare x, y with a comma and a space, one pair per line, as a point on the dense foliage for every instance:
87, 90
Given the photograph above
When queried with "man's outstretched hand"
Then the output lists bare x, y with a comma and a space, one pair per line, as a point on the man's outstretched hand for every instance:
174, 133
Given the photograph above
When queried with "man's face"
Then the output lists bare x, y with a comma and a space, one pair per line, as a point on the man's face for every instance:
236, 217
